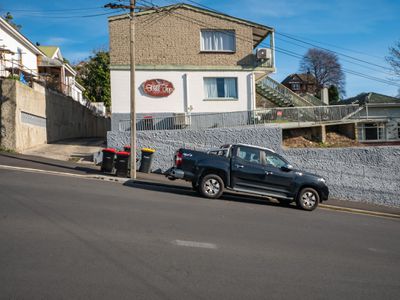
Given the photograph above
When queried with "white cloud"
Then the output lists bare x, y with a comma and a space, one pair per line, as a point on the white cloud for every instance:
58, 41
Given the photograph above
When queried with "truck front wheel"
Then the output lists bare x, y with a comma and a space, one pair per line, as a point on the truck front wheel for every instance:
211, 186
308, 199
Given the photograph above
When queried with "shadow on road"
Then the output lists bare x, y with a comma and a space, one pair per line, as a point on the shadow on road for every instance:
55, 165
188, 191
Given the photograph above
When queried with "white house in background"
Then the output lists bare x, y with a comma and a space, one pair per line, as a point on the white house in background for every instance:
18, 55
190, 60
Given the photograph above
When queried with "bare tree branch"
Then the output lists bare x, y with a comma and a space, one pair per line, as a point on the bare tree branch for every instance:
326, 69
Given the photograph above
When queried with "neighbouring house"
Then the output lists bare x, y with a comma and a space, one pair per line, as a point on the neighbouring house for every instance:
300, 83
188, 60
18, 55
58, 74
379, 117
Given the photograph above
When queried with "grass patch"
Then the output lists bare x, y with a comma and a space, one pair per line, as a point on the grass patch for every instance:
2, 149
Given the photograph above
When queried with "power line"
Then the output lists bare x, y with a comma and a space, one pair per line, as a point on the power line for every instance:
284, 51
345, 70
71, 16
52, 10
294, 37
343, 59
335, 46
338, 53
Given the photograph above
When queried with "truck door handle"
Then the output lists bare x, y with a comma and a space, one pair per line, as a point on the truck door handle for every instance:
268, 173
239, 166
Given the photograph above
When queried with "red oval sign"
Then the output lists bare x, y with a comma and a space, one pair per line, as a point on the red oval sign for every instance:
158, 87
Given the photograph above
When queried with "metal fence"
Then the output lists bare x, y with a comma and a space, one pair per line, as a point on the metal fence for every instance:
293, 116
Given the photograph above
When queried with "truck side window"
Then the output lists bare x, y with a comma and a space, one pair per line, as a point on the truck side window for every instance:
274, 160
249, 154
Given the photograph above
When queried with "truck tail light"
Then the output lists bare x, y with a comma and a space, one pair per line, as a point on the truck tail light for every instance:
178, 159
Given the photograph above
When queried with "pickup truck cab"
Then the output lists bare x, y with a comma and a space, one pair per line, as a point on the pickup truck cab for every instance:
248, 169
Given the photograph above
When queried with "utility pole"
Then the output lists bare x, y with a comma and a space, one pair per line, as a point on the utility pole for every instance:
131, 8
133, 90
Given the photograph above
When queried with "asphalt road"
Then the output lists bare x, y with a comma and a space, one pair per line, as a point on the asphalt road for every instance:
68, 238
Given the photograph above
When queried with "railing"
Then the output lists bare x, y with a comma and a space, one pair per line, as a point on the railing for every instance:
295, 99
289, 116
13, 68
314, 100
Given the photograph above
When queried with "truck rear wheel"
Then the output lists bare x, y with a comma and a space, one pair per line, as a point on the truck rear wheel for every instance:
211, 186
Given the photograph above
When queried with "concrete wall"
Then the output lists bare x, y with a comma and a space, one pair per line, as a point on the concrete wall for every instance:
69, 119
368, 174
30, 117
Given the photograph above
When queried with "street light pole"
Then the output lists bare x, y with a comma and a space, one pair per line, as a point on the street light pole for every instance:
133, 89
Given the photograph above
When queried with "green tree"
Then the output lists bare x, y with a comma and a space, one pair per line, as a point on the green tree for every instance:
94, 75
333, 93
8, 17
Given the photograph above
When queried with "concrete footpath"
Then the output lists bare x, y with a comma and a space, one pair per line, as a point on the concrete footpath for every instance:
28, 163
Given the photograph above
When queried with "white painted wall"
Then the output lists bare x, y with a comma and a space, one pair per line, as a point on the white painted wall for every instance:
29, 59
189, 91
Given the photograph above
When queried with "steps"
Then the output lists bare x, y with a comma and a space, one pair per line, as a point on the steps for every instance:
279, 94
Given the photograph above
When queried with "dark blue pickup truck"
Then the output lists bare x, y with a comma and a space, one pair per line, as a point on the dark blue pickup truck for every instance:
248, 169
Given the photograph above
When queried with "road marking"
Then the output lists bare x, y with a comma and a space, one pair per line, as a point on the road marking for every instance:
359, 211
194, 244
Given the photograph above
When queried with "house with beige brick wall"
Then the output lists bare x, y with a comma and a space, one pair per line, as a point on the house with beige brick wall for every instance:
188, 60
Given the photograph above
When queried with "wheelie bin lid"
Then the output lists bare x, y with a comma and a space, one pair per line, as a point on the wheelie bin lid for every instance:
123, 153
109, 150
148, 150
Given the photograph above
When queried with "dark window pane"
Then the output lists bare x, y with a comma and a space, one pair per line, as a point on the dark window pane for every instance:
371, 133
220, 87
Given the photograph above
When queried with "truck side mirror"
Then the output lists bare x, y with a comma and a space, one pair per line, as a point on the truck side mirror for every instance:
287, 168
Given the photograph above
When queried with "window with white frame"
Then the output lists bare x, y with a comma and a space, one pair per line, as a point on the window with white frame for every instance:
373, 132
218, 40
220, 88
295, 86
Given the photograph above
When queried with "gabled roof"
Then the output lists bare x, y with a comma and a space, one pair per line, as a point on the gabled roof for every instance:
20, 37
50, 51
54, 58
260, 32
370, 98
303, 77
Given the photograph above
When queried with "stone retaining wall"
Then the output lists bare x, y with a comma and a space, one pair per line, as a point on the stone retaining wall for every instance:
367, 174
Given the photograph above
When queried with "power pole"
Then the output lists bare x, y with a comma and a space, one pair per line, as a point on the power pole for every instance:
133, 89
131, 8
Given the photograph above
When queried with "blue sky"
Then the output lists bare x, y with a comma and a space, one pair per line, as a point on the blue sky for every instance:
366, 27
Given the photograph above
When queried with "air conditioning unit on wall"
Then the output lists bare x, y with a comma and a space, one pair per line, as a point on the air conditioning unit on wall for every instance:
181, 120
264, 54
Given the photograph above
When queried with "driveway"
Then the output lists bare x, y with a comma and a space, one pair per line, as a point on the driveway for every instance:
73, 149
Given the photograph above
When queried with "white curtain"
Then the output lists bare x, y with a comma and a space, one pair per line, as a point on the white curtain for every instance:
230, 88
210, 88
217, 40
